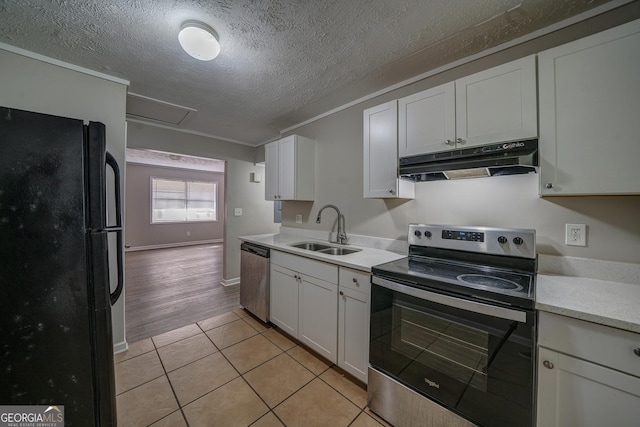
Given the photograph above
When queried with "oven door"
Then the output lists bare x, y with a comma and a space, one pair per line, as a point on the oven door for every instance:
471, 357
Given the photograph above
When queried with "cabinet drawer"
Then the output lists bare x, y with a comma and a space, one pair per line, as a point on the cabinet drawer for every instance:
306, 266
356, 280
601, 344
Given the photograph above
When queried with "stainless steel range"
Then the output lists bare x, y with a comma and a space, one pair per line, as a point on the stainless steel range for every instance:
453, 329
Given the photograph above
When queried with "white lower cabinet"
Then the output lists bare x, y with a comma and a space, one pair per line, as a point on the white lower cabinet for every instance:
588, 374
304, 301
353, 333
283, 305
324, 306
318, 320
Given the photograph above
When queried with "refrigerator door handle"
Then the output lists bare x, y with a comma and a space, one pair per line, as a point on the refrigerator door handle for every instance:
117, 228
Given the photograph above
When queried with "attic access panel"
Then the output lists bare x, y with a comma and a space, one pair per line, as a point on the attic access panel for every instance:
149, 109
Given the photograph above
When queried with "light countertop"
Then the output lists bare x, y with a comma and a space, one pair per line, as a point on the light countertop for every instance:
362, 260
608, 303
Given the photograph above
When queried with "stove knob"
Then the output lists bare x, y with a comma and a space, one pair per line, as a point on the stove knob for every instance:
502, 240
427, 234
518, 240
417, 233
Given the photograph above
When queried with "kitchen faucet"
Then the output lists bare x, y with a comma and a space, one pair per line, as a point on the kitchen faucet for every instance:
341, 236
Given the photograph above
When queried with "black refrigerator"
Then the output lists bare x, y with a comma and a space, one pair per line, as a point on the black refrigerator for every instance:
55, 295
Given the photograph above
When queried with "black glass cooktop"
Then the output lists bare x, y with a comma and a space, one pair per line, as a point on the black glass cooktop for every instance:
479, 281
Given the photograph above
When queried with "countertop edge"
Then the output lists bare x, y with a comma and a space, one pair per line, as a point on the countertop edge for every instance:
597, 301
280, 242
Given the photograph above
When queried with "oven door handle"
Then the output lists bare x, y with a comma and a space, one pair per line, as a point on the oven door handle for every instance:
463, 304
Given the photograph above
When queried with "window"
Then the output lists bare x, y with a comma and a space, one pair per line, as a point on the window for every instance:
178, 200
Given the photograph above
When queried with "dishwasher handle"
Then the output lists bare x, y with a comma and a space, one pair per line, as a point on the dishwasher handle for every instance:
254, 249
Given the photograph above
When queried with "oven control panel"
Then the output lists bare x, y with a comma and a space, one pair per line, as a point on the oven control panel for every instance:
489, 240
470, 236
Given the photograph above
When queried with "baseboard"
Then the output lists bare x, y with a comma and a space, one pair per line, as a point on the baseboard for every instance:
173, 245
120, 347
230, 282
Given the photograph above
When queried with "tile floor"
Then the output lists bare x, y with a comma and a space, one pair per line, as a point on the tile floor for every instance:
232, 370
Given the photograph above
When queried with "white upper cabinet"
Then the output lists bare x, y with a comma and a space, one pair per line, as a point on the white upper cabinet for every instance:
427, 121
498, 104
590, 115
492, 106
380, 152
290, 169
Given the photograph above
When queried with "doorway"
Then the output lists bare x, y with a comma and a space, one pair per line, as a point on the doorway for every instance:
174, 216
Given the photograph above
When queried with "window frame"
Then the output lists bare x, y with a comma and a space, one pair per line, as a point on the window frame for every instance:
186, 181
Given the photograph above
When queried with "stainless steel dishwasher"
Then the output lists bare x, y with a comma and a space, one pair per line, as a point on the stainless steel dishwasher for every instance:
254, 279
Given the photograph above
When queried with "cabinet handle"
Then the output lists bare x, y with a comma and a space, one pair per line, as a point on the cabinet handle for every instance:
448, 142
392, 191
549, 185
636, 351
460, 141
341, 293
355, 280
547, 364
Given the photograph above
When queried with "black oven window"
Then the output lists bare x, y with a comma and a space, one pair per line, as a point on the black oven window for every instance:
459, 351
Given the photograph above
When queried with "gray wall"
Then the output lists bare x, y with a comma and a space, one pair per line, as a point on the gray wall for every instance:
141, 233
240, 192
613, 222
34, 85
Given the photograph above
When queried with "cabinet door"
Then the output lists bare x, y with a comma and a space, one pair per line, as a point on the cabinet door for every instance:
589, 123
319, 316
426, 121
283, 299
380, 149
271, 173
498, 104
287, 168
574, 392
353, 332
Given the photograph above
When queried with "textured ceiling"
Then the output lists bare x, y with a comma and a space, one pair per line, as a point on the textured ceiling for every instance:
282, 61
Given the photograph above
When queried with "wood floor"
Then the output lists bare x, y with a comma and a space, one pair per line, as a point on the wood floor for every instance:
170, 288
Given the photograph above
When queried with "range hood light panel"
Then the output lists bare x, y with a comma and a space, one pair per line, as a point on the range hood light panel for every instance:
467, 173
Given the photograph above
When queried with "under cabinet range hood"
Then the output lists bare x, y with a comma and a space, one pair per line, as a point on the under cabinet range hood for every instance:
508, 158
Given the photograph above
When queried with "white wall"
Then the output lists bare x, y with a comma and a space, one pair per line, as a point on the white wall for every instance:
34, 85
257, 214
512, 201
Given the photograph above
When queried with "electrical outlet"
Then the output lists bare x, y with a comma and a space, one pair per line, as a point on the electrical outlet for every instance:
188, 233
237, 212
576, 235
298, 218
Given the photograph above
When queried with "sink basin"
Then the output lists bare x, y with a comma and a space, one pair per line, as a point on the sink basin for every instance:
338, 251
324, 249
310, 246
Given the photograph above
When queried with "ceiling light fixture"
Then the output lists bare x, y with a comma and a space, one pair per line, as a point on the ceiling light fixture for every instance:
199, 40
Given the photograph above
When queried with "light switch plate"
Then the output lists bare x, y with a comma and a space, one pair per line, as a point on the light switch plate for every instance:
237, 212
576, 235
298, 218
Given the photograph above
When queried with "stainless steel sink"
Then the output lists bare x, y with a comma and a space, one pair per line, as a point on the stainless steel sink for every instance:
324, 249
338, 251
310, 246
